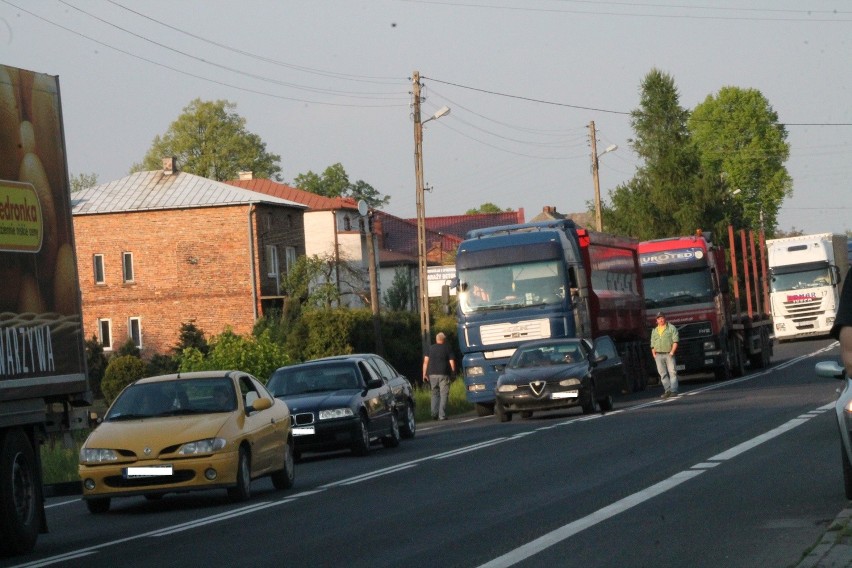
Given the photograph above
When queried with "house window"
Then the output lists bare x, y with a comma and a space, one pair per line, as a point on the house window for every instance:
127, 266
347, 223
272, 261
289, 258
105, 334
134, 330
99, 268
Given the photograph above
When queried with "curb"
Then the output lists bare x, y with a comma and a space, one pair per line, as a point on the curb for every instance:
834, 548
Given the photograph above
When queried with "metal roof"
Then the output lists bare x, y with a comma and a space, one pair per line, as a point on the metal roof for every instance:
147, 191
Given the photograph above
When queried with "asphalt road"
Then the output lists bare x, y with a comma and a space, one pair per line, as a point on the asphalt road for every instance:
744, 472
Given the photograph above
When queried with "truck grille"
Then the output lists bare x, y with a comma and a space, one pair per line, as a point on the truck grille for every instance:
800, 308
513, 332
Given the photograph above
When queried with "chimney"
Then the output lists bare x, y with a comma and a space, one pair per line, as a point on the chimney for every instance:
169, 166
245, 176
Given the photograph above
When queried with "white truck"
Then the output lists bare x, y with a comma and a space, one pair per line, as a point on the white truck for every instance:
806, 276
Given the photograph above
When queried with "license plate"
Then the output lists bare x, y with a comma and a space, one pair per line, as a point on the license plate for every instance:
149, 471
567, 394
303, 431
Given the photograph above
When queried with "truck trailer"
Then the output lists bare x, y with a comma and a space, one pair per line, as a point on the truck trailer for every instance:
688, 279
44, 389
806, 277
531, 281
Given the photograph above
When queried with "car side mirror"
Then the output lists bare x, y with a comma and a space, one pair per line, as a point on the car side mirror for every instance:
261, 404
830, 369
599, 359
375, 384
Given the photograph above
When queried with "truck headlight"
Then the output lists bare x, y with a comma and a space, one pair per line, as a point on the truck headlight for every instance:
709, 345
474, 371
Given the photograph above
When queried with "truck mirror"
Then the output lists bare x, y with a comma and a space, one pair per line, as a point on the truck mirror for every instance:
454, 283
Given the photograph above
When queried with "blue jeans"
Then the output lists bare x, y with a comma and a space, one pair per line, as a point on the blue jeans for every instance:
440, 385
666, 369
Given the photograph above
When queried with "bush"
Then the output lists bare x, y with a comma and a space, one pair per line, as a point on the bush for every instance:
120, 372
259, 356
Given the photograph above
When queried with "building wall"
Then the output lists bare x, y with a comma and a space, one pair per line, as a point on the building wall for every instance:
281, 228
191, 265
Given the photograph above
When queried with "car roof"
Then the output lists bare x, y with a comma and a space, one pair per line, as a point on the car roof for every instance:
190, 376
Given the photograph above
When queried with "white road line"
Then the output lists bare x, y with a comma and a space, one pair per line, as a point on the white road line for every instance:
566, 531
62, 503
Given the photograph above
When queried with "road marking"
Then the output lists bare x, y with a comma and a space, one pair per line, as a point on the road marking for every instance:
566, 531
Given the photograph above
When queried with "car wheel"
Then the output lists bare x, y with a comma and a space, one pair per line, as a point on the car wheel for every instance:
527, 414
284, 478
361, 443
501, 413
605, 404
98, 506
392, 439
590, 405
20, 494
484, 409
242, 491
409, 426
847, 471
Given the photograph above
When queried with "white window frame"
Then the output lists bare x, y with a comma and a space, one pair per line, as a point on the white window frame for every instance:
272, 270
289, 258
127, 266
99, 268
137, 321
105, 324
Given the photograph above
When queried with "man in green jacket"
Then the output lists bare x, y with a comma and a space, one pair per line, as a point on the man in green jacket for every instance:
664, 340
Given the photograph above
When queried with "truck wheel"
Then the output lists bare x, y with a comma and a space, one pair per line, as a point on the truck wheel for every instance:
20, 494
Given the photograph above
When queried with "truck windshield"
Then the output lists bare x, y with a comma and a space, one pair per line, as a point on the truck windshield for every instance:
677, 287
516, 285
800, 280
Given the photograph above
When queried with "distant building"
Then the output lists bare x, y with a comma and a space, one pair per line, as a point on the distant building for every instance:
162, 248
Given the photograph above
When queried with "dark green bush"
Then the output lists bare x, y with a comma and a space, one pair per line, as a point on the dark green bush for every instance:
120, 372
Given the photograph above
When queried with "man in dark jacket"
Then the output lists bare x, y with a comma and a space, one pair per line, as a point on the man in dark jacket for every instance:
438, 367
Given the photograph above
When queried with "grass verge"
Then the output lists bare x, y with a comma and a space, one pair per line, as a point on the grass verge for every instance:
456, 403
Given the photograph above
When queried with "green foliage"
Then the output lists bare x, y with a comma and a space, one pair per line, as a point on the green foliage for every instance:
128, 348
83, 181
120, 372
334, 182
400, 291
744, 146
161, 365
96, 363
486, 207
456, 403
312, 281
191, 336
329, 332
209, 139
259, 356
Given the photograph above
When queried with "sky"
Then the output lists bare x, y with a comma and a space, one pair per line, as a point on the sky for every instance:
328, 81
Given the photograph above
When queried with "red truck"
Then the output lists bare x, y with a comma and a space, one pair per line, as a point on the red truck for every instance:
549, 279
722, 319
44, 388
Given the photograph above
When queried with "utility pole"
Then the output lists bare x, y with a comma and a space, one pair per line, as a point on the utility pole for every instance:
423, 292
374, 283
595, 178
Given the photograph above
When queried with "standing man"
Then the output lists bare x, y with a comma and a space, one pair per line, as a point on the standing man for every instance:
437, 366
664, 340
842, 329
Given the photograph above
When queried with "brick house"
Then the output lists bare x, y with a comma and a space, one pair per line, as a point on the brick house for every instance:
333, 229
158, 249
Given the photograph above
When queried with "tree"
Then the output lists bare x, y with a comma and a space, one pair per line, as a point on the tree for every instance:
668, 195
210, 140
258, 355
334, 182
400, 290
83, 181
486, 207
743, 145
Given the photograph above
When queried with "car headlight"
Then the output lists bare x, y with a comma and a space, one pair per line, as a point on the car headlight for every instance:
97, 455
474, 371
569, 382
507, 388
335, 413
207, 446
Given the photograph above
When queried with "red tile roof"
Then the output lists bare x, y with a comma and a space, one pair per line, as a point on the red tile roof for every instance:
312, 200
459, 225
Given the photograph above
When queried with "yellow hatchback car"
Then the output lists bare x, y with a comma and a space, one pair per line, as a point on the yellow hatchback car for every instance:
188, 432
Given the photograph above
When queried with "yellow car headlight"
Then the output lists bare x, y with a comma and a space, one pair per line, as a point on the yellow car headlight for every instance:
207, 446
97, 455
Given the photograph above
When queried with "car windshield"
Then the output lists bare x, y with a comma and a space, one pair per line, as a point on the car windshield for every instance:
313, 378
547, 355
171, 398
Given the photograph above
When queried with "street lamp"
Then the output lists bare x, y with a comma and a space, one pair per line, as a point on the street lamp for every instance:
423, 292
595, 178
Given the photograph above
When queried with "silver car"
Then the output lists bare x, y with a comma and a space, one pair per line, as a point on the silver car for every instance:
843, 409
